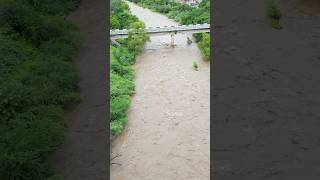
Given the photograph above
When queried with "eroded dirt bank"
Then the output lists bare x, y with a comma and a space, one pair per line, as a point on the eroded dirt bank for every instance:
83, 156
167, 136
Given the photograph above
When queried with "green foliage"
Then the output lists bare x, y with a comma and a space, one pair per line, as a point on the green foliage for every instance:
53, 6
114, 22
123, 56
116, 127
121, 87
273, 12
183, 14
120, 16
180, 12
29, 140
27, 23
204, 46
275, 23
121, 60
195, 65
37, 81
137, 37
197, 37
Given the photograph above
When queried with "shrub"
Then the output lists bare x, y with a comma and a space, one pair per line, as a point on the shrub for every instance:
119, 106
37, 81
195, 65
204, 46
273, 10
121, 60
275, 23
137, 37
123, 56
121, 87
183, 14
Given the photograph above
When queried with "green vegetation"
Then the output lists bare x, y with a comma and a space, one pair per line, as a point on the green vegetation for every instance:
195, 65
184, 14
189, 41
37, 82
204, 46
273, 12
275, 23
121, 61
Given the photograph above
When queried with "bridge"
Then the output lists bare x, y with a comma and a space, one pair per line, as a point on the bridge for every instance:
192, 28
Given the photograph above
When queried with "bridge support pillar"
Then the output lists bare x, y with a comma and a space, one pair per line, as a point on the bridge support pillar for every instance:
172, 39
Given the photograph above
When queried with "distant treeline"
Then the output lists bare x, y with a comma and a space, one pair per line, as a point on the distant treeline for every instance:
121, 61
37, 81
184, 14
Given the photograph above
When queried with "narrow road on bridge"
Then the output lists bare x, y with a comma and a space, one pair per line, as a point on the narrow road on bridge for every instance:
167, 136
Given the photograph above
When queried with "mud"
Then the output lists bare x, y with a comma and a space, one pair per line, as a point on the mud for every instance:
168, 133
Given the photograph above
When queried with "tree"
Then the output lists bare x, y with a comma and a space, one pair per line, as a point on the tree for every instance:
137, 37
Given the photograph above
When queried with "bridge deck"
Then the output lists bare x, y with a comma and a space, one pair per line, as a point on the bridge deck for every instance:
165, 29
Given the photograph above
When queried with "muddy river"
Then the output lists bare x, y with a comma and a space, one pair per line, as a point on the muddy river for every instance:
168, 133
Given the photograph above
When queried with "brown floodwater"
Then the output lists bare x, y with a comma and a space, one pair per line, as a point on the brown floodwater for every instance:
168, 133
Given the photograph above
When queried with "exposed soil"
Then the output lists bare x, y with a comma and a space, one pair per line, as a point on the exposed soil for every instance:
83, 156
167, 136
266, 91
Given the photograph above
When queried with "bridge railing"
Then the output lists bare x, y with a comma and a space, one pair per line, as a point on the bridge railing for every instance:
116, 32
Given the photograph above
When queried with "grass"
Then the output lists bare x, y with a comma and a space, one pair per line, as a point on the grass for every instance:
274, 13
275, 23
195, 65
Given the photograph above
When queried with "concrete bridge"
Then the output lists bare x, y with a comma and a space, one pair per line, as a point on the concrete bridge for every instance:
192, 28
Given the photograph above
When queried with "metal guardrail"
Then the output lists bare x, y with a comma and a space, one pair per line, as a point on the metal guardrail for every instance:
165, 29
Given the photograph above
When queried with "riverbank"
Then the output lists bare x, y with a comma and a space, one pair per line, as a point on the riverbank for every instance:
184, 14
84, 154
122, 58
167, 135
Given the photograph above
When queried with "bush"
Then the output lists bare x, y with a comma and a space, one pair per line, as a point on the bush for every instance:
121, 87
31, 25
273, 10
118, 112
137, 37
195, 65
123, 56
120, 16
121, 60
37, 82
53, 6
183, 14
34, 138
204, 46
275, 23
